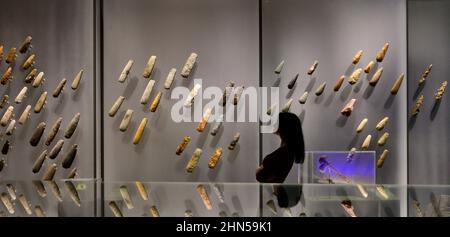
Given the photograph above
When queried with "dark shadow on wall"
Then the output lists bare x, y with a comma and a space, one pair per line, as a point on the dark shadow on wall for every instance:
127, 136
212, 173
167, 93
301, 116
203, 136
357, 86
419, 90
291, 91
413, 194
118, 119
435, 109
130, 88
319, 98
156, 122
193, 177
310, 85
61, 103
388, 212
435, 204
43, 115
181, 162
156, 74
61, 211
346, 92
190, 206
389, 101
216, 138
375, 138
232, 155
412, 122
223, 207
372, 71
237, 204
330, 99
79, 92
277, 82
73, 140
368, 92
145, 108
341, 121
353, 141
159, 195
350, 69
342, 193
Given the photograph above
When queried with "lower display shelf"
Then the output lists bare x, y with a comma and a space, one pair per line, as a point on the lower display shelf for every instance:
90, 197
429, 201
156, 199
59, 198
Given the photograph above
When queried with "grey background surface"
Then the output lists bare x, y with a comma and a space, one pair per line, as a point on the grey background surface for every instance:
297, 31
331, 32
171, 30
62, 34
429, 132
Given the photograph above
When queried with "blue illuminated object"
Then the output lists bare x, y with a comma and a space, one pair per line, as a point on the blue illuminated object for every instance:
335, 167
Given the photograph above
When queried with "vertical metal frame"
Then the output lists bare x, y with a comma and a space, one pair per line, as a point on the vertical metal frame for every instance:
407, 109
261, 205
98, 106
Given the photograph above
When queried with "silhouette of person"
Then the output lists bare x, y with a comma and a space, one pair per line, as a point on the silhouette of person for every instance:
277, 165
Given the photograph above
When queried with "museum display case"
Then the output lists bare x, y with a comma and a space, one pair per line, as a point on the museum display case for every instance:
332, 200
52, 80
428, 201
235, 200
78, 198
428, 133
56, 198
168, 107
208, 31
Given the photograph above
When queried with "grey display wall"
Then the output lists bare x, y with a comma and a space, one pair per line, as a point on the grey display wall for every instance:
171, 30
429, 132
331, 32
63, 41
225, 34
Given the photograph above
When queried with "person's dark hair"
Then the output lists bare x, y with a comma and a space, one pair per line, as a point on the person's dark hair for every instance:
290, 132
